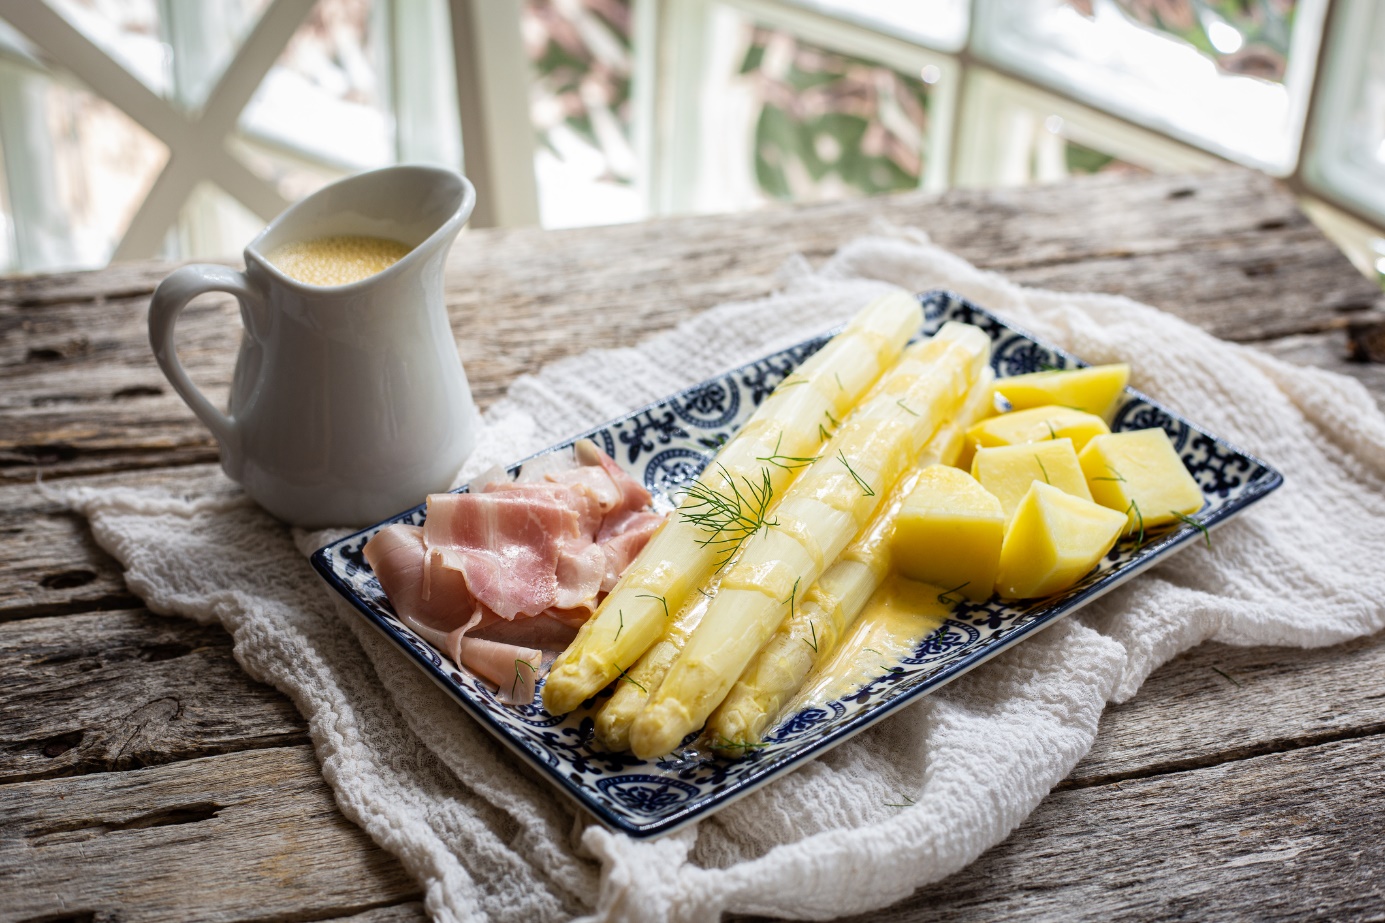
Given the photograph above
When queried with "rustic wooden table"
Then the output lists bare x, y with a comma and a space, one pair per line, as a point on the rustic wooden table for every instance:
143, 776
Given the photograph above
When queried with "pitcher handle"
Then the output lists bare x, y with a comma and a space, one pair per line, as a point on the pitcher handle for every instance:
172, 295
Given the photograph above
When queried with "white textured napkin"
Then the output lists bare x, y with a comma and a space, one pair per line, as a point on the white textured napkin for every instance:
489, 840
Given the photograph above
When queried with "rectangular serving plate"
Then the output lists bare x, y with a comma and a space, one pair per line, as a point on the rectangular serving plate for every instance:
667, 444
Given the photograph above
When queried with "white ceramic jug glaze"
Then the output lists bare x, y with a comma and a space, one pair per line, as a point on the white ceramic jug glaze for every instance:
349, 402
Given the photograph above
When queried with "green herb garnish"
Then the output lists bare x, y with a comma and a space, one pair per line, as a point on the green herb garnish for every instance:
836, 424
906, 798
518, 678
625, 676
860, 482
1188, 520
812, 626
787, 462
790, 381
947, 599
823, 434
905, 407
662, 601
726, 743
793, 595
729, 518
1043, 469
1139, 518
838, 376
1118, 475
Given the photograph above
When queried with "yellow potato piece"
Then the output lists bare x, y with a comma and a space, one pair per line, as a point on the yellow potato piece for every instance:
949, 532
1139, 473
1096, 389
1054, 540
1007, 471
1037, 425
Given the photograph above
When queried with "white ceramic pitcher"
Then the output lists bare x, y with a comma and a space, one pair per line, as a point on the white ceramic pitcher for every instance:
349, 402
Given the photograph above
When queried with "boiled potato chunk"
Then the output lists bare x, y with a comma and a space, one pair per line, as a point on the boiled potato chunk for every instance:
1007, 471
1053, 541
1139, 473
1096, 389
1038, 424
949, 532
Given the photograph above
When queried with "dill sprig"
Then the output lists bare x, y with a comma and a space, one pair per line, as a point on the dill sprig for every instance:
836, 424
793, 595
625, 676
787, 462
1188, 520
823, 434
813, 627
838, 376
860, 482
1140, 518
1043, 469
906, 408
725, 743
872, 650
662, 601
906, 798
947, 599
621, 613
704, 592
729, 518
1052, 434
518, 678
1118, 476
793, 380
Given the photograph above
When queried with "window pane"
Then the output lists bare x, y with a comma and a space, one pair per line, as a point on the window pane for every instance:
76, 170
585, 164
828, 125
941, 24
327, 97
1013, 134
1348, 158
1229, 75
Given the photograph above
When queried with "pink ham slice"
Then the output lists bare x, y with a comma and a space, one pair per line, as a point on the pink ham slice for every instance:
507, 544
498, 576
397, 556
623, 536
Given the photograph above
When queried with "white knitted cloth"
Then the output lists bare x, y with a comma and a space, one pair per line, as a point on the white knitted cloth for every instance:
487, 839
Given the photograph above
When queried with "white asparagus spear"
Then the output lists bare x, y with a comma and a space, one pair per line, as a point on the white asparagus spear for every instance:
760, 461
820, 514
809, 634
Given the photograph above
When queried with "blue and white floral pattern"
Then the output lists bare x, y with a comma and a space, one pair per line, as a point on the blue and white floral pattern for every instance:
668, 443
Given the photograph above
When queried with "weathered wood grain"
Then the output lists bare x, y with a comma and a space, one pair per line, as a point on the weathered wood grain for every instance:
1235, 248
49, 562
245, 836
1293, 836
109, 691
1217, 704
407, 912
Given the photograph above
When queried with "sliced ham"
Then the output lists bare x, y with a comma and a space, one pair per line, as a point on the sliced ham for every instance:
507, 544
499, 576
621, 538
